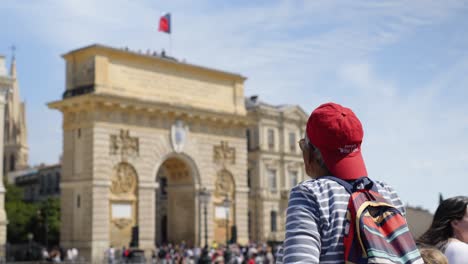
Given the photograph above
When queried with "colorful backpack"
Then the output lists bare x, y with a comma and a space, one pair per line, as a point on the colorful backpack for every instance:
375, 230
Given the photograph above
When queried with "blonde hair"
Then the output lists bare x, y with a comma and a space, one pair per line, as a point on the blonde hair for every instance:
432, 255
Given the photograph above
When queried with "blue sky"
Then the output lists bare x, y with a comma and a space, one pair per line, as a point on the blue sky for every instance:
402, 66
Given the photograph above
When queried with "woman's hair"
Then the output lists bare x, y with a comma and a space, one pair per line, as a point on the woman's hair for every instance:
432, 255
441, 229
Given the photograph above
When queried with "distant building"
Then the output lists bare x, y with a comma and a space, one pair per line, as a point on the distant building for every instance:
39, 183
274, 165
15, 147
419, 220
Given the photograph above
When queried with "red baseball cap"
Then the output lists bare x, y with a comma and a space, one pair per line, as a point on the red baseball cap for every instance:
337, 132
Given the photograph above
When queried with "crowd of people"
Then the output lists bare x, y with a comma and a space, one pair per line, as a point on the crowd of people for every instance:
184, 254
57, 254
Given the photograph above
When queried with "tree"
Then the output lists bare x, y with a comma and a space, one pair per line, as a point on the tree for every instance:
42, 219
20, 215
47, 221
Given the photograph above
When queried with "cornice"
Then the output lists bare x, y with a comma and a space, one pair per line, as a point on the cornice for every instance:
89, 103
122, 54
256, 116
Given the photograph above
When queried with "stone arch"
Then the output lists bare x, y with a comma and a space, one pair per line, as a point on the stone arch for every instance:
176, 199
185, 158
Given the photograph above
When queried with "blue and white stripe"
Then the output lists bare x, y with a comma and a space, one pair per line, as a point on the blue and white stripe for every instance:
315, 221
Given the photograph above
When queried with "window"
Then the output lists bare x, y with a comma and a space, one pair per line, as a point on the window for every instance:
12, 162
273, 221
293, 178
43, 184
247, 135
79, 132
271, 139
50, 183
57, 182
163, 186
78, 201
272, 179
249, 175
292, 142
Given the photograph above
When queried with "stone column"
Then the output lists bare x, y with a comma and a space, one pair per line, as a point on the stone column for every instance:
146, 217
3, 217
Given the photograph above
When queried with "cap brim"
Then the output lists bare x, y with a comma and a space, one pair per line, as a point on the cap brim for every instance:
349, 167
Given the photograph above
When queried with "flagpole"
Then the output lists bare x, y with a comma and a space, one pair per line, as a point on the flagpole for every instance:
170, 44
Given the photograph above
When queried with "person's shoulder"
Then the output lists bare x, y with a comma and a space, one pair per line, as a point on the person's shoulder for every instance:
456, 251
456, 246
381, 185
319, 184
318, 189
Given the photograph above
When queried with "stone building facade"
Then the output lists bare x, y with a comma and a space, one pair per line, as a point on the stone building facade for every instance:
274, 165
38, 183
133, 122
6, 82
15, 148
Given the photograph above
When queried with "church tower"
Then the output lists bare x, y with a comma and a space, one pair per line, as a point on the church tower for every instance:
16, 150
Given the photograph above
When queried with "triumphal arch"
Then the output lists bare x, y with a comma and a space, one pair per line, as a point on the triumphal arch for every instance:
143, 134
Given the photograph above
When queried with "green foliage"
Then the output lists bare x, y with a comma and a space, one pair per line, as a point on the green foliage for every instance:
41, 219
48, 221
20, 215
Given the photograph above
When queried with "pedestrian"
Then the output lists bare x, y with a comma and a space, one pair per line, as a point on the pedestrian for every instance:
111, 255
269, 256
205, 257
316, 213
74, 254
449, 230
55, 255
45, 254
69, 255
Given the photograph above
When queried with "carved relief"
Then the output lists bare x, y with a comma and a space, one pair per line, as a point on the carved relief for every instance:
178, 135
224, 184
123, 144
123, 179
121, 223
224, 154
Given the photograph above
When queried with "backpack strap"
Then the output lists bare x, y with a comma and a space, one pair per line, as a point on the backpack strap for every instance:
361, 183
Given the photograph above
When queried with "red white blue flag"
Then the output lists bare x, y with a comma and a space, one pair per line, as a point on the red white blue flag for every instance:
165, 23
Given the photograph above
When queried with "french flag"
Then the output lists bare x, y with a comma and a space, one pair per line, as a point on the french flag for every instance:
165, 23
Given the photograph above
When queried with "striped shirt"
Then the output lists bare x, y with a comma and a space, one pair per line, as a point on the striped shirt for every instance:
315, 221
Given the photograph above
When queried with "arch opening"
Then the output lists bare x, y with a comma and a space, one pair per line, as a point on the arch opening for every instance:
175, 202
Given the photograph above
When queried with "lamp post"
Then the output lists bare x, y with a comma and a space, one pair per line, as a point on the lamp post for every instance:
42, 214
205, 199
29, 253
227, 206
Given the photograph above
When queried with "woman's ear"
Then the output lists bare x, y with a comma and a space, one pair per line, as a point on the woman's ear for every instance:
454, 224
